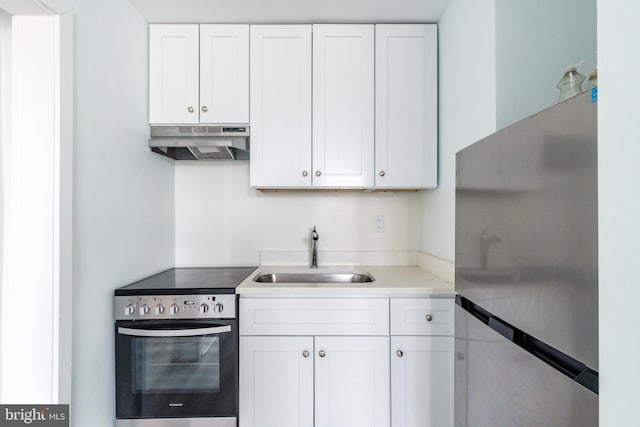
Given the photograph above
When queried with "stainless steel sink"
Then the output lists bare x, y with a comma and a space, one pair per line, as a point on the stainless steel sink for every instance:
313, 277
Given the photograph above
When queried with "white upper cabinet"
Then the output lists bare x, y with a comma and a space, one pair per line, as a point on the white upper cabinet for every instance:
224, 74
198, 74
280, 106
173, 74
406, 106
343, 106
374, 116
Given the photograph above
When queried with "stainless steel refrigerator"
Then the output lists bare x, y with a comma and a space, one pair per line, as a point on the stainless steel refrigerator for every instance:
527, 273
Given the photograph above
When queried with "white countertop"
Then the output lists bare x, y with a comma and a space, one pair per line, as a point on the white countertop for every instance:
390, 281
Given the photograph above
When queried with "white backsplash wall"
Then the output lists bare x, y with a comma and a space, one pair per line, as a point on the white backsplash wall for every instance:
220, 220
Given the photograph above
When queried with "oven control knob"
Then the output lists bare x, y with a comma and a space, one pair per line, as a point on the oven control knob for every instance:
129, 310
174, 308
204, 308
144, 309
159, 309
218, 308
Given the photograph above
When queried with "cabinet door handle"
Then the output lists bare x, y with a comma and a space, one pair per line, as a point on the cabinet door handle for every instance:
190, 109
318, 173
305, 173
428, 318
382, 173
321, 353
399, 353
204, 108
305, 353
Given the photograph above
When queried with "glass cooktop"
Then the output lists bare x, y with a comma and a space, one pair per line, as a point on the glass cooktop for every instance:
178, 281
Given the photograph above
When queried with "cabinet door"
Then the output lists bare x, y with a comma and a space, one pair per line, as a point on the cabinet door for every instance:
406, 106
224, 74
421, 381
343, 112
173, 74
352, 381
276, 381
280, 106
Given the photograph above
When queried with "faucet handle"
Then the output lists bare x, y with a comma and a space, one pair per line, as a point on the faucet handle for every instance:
314, 234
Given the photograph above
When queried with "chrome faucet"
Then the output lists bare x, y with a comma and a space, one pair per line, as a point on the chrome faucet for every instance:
314, 248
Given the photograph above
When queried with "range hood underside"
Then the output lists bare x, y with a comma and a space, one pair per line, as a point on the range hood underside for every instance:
191, 151
201, 142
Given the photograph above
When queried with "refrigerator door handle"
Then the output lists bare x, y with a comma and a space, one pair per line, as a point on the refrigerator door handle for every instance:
563, 363
569, 366
475, 310
502, 328
589, 379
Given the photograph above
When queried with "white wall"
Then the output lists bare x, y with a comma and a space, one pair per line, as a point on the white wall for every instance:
467, 108
535, 42
292, 11
619, 210
123, 194
500, 61
220, 220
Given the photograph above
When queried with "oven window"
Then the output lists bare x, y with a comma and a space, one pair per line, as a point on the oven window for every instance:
176, 364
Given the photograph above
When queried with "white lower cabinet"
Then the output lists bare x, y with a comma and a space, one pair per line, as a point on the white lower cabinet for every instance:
278, 375
330, 362
421, 381
352, 381
276, 381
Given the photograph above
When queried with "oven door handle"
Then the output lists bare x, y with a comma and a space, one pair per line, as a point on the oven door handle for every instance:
174, 332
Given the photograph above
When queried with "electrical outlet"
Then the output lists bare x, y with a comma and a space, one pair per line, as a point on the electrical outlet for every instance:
378, 222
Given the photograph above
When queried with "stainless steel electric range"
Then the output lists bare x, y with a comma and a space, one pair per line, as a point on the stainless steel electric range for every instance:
176, 343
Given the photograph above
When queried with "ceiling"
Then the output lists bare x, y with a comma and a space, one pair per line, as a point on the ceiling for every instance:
24, 7
35, 7
290, 11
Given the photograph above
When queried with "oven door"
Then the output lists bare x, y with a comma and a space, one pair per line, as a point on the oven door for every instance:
176, 369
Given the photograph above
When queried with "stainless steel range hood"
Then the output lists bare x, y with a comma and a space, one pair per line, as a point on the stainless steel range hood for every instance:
201, 142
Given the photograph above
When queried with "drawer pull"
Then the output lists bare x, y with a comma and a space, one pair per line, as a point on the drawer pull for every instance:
305, 353
428, 318
399, 353
321, 353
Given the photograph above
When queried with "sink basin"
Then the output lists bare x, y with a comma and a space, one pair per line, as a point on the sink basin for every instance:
312, 277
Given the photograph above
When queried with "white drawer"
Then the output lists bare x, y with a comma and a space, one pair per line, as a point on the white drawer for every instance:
422, 316
314, 316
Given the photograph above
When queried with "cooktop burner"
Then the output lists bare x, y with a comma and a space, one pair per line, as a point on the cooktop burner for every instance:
182, 281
